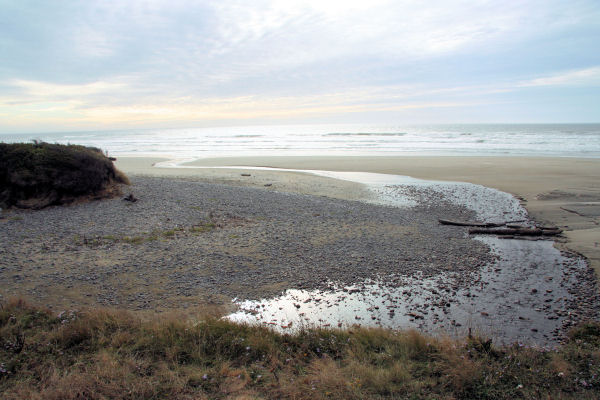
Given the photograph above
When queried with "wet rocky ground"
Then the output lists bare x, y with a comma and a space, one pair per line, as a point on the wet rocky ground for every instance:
530, 294
185, 244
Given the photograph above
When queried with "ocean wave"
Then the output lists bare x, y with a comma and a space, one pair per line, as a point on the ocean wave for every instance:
365, 134
542, 140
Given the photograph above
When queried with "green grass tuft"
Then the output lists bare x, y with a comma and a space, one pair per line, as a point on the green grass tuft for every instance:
134, 239
145, 236
206, 227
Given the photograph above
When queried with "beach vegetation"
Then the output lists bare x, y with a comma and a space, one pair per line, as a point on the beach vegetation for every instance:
144, 236
134, 239
36, 175
100, 354
206, 227
170, 233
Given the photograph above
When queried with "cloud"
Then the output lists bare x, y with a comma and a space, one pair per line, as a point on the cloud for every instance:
141, 61
89, 42
580, 77
85, 108
52, 91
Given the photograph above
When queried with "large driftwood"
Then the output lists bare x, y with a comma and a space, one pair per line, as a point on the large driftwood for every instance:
503, 228
477, 224
517, 231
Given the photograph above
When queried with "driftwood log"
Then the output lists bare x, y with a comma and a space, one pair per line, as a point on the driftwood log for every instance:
517, 231
503, 228
477, 224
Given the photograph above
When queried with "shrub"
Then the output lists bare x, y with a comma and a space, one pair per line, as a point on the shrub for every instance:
36, 175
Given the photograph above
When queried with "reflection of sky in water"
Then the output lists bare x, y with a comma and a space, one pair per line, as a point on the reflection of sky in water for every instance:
499, 302
369, 303
389, 190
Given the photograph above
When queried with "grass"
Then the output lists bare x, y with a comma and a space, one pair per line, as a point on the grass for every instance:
100, 354
146, 236
36, 175
206, 227
134, 239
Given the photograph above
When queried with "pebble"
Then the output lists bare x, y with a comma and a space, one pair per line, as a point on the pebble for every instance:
262, 242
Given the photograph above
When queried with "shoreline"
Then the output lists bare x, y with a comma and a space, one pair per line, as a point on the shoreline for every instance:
561, 191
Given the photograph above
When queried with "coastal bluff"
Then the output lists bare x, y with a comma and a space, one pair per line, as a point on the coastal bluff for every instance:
37, 175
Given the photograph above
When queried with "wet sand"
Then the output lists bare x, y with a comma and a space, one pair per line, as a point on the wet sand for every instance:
559, 191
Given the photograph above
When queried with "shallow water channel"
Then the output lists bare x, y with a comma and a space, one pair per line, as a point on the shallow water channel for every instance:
521, 297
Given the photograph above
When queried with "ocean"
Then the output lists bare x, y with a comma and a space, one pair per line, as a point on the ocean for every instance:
546, 140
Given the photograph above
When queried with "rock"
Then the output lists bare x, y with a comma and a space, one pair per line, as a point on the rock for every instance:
130, 198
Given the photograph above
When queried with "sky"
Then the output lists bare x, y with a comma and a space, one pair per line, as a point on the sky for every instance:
91, 65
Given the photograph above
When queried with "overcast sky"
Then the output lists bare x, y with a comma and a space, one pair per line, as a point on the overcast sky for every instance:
80, 65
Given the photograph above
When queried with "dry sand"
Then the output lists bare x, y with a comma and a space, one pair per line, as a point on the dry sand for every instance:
560, 191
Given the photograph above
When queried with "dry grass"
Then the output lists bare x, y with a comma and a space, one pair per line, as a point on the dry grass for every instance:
103, 354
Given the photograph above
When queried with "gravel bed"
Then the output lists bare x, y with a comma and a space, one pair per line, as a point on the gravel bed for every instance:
147, 255
184, 244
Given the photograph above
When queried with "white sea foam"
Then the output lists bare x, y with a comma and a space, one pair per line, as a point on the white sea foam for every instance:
562, 140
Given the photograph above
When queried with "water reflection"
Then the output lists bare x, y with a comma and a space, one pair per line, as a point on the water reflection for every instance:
521, 297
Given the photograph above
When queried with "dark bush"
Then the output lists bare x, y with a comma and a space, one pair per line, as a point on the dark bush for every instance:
36, 175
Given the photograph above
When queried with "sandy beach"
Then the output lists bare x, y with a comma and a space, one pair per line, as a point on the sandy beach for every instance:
561, 191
